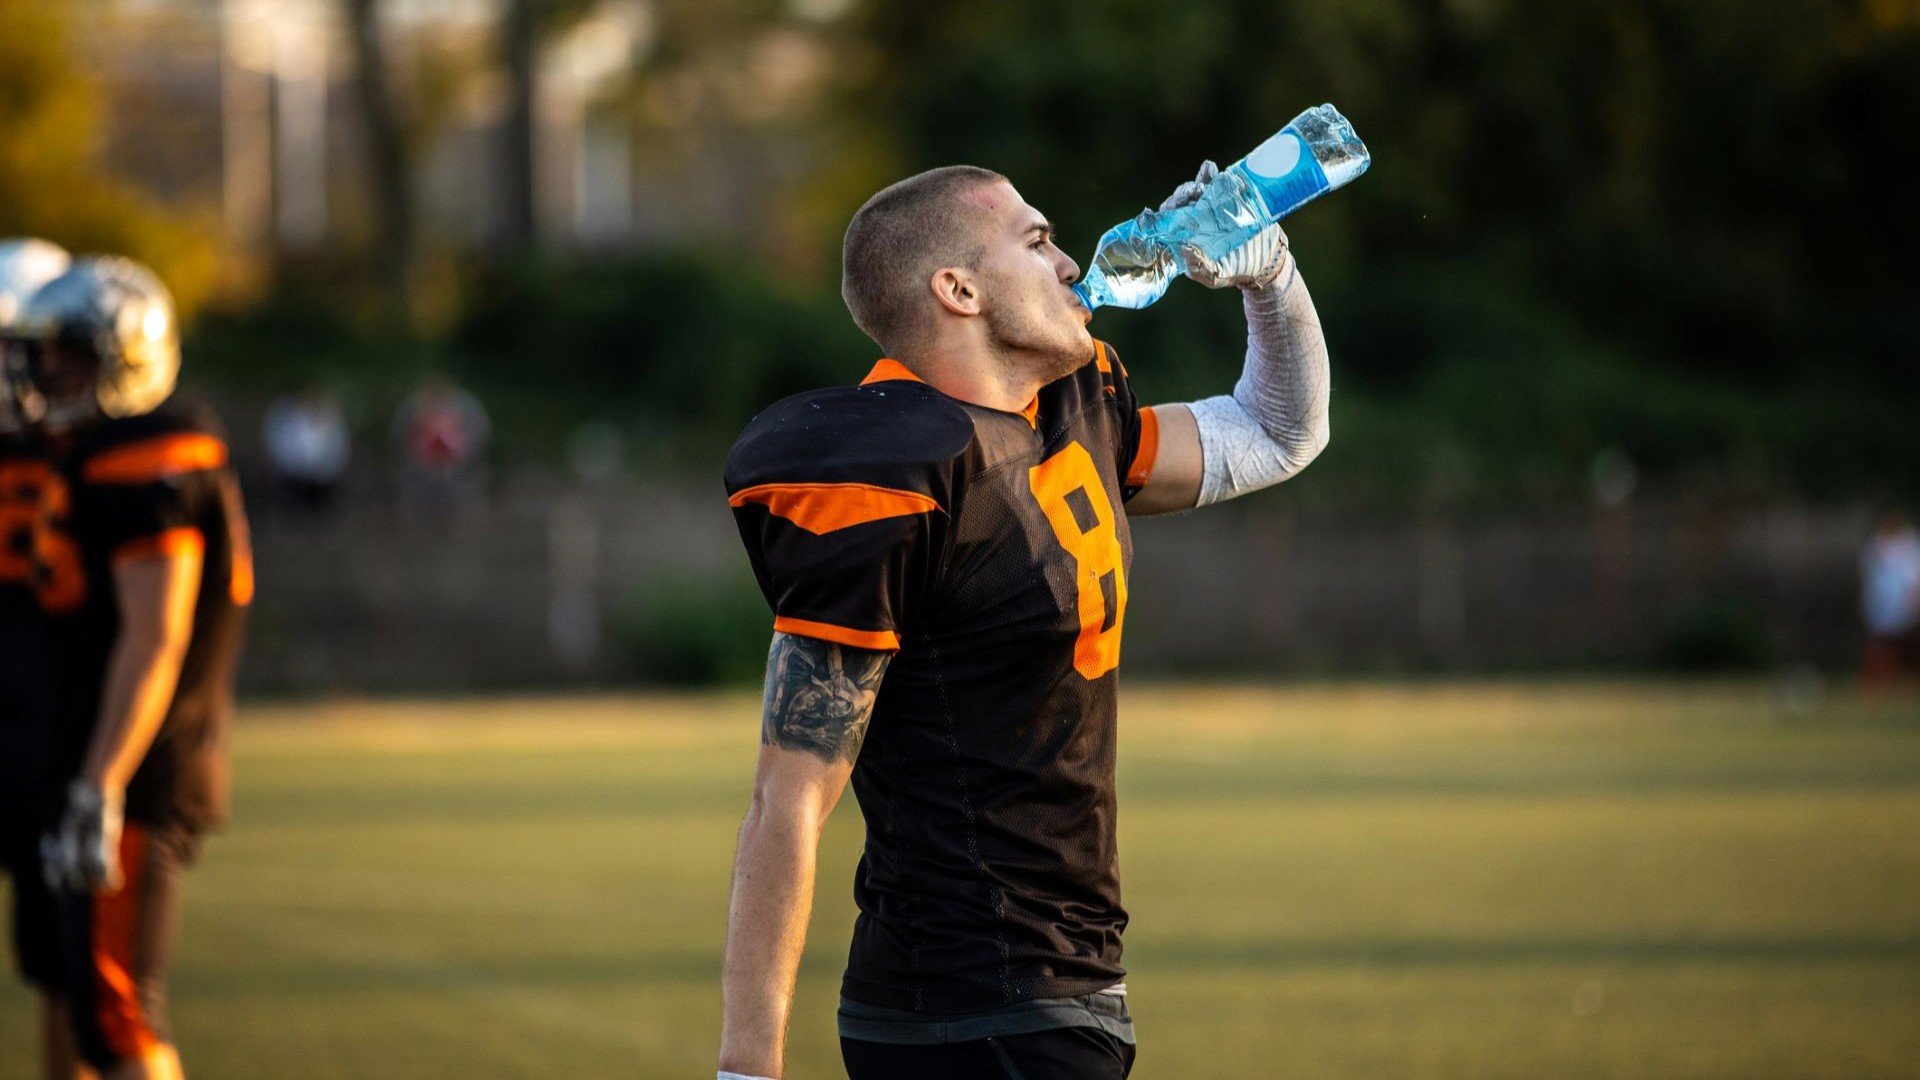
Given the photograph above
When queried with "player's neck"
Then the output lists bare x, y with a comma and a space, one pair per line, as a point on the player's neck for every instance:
976, 375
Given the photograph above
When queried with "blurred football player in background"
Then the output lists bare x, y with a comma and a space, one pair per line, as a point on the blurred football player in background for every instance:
25, 714
945, 547
1890, 602
309, 448
441, 431
145, 575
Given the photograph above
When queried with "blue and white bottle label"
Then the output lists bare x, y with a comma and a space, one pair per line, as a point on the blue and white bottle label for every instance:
1284, 173
1276, 157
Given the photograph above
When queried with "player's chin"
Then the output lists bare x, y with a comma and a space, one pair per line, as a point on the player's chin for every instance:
1083, 340
1076, 352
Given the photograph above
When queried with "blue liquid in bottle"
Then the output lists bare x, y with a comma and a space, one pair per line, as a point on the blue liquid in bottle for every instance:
1138, 259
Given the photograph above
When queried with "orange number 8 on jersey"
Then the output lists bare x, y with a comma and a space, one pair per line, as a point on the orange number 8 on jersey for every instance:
20, 484
32, 497
1070, 493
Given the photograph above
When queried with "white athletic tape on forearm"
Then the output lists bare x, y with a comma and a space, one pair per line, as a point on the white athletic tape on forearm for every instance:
1275, 422
725, 1075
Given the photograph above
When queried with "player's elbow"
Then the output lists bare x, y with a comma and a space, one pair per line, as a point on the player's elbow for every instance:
1318, 435
766, 811
1297, 447
780, 815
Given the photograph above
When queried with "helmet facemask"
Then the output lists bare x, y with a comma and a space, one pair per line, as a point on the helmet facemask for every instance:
13, 387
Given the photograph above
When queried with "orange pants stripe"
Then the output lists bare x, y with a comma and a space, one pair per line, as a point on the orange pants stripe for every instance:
118, 1011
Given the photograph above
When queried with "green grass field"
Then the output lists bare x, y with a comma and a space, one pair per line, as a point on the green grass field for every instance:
1532, 881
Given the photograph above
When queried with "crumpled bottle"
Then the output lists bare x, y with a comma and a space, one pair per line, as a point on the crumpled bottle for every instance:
1138, 259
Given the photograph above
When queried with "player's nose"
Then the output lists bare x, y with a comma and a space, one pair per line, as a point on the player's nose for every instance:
1068, 269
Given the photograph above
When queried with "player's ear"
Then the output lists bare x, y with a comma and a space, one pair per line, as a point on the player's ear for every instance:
956, 291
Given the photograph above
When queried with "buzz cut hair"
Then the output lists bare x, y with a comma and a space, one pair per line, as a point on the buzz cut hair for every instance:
898, 239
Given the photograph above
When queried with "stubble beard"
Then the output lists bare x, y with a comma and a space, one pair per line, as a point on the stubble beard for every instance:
1026, 348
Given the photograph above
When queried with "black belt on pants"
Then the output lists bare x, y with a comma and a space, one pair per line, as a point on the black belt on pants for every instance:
1104, 1009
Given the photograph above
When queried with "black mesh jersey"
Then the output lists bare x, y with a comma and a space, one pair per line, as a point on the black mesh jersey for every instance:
990, 549
159, 483
24, 479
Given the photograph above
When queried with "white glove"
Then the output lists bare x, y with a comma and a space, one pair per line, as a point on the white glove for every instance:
83, 853
1253, 265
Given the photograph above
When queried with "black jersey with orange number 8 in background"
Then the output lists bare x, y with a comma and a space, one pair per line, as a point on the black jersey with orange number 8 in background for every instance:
989, 550
24, 478
127, 488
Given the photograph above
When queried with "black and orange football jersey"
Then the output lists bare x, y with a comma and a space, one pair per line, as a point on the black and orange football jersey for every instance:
24, 475
159, 483
989, 550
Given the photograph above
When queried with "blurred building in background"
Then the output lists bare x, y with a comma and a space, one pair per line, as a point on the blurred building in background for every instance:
269, 109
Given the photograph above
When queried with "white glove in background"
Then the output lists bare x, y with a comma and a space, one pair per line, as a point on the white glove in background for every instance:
83, 853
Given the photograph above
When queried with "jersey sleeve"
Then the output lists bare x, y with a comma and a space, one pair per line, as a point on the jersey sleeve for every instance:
1138, 430
144, 498
829, 573
843, 523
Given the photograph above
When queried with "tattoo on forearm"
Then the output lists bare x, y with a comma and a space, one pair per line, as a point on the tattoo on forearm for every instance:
819, 696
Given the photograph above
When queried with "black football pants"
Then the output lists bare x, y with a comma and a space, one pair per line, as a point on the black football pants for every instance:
116, 947
1072, 1053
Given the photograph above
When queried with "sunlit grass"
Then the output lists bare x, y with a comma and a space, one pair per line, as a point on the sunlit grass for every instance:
1507, 880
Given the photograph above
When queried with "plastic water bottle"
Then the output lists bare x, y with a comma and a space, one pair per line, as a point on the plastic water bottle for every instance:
1138, 259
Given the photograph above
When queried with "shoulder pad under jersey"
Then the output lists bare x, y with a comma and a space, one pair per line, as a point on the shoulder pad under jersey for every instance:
898, 434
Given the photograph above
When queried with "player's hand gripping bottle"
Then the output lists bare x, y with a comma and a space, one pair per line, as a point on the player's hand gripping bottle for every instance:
1138, 259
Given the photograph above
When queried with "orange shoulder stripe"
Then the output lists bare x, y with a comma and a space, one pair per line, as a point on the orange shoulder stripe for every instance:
883, 640
1149, 449
825, 508
165, 544
156, 459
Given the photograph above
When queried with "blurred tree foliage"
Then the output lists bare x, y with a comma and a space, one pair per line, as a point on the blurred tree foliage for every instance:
678, 349
1676, 230
1674, 226
51, 181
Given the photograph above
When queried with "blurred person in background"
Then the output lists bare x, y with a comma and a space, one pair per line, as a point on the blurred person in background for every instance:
442, 433
1890, 602
146, 575
26, 790
947, 562
308, 447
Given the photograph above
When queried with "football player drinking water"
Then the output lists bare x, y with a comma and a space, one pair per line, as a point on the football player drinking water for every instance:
945, 547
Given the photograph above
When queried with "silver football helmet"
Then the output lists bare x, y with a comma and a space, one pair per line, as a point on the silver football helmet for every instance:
117, 316
25, 265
